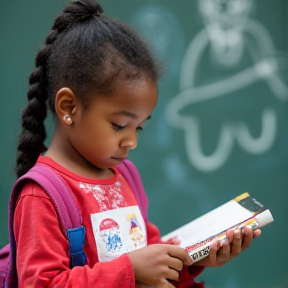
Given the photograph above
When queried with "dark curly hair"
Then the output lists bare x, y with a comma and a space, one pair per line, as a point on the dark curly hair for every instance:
85, 50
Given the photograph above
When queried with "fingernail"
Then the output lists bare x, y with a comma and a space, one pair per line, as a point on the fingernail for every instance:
214, 243
222, 241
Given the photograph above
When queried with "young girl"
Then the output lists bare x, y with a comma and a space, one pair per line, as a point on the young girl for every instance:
100, 81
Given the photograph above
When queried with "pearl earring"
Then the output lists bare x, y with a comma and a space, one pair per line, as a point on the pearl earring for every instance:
67, 119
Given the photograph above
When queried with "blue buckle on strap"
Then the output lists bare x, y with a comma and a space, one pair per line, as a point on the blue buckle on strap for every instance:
76, 238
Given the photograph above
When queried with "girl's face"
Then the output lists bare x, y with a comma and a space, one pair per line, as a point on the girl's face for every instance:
104, 133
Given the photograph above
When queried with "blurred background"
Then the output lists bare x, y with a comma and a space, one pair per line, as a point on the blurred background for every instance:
221, 124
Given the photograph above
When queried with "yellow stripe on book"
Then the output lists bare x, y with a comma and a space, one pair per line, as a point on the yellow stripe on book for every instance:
242, 196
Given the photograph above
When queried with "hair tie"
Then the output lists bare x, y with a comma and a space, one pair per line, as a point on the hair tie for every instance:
98, 13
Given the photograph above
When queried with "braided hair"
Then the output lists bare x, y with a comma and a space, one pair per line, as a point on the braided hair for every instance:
86, 51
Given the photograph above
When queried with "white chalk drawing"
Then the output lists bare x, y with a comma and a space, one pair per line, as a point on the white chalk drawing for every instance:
229, 32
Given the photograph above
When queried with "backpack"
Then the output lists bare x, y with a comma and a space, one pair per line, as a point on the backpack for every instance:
68, 214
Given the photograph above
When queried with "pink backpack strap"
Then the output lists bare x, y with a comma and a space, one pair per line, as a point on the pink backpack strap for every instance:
132, 176
58, 190
67, 211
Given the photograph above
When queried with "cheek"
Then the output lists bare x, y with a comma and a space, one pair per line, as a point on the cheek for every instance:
90, 128
100, 137
94, 145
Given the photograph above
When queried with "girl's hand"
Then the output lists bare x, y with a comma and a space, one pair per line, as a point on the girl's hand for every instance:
156, 263
142, 285
236, 242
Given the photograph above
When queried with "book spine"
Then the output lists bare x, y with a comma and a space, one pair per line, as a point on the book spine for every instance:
200, 250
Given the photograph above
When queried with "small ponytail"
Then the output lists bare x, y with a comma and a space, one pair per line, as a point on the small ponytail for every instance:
84, 9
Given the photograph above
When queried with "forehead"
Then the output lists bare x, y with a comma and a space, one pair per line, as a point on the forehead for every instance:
131, 95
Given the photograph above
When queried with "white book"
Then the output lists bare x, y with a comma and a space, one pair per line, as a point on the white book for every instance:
196, 236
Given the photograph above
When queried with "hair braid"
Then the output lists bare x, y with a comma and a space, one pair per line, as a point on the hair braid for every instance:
31, 140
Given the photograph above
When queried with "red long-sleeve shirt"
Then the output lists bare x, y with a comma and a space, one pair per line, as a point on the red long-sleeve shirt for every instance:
114, 226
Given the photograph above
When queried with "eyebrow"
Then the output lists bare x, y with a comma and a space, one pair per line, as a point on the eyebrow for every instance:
129, 114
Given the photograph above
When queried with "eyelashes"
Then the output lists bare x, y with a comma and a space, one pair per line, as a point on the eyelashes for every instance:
117, 127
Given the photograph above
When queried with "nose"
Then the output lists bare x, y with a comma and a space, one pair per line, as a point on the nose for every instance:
129, 141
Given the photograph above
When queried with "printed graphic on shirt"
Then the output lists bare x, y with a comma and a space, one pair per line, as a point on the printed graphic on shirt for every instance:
135, 232
118, 231
109, 231
107, 196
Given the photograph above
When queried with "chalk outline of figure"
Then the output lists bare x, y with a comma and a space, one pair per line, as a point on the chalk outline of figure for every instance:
266, 68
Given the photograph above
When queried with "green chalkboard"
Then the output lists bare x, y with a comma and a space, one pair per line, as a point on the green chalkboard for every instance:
221, 124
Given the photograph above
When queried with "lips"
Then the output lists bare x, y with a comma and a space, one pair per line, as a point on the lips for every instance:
119, 158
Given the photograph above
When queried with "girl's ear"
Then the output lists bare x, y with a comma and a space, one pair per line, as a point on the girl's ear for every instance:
65, 103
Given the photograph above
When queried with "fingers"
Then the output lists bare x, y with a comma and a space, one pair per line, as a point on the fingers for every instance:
223, 254
257, 233
177, 258
247, 236
172, 275
171, 271
213, 252
143, 285
236, 245
175, 241
176, 264
156, 263
231, 246
241, 240
164, 285
230, 235
177, 252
